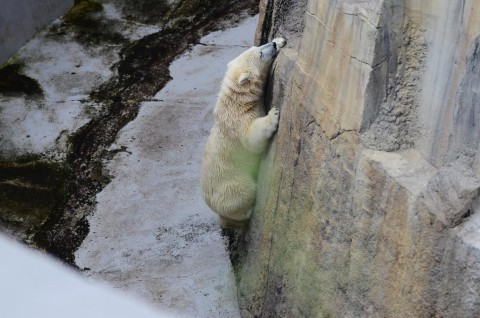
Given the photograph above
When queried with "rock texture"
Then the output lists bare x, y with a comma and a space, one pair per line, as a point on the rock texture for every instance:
368, 200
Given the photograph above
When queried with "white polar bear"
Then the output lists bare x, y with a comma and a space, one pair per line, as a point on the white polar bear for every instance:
239, 136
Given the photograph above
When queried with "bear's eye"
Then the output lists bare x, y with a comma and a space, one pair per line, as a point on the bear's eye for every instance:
261, 54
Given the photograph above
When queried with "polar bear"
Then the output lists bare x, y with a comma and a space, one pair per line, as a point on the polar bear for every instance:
239, 136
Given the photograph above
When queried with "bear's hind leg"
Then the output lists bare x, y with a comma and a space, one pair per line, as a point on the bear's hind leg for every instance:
235, 201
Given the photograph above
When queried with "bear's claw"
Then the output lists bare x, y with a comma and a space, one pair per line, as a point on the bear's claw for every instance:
274, 111
273, 114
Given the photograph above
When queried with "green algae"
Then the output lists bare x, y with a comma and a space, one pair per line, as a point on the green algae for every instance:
146, 11
82, 9
92, 31
87, 27
31, 189
12, 81
196, 9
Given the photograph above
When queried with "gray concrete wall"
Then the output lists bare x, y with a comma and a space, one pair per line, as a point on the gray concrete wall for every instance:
21, 19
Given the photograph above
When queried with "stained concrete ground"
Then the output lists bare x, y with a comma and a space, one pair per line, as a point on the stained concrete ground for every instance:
151, 234
67, 71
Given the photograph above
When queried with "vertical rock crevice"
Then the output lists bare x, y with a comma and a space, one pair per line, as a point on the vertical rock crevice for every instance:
390, 121
278, 18
466, 118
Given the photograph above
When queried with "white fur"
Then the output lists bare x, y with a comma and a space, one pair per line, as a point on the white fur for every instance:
239, 136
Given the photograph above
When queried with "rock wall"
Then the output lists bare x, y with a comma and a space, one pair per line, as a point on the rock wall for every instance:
368, 200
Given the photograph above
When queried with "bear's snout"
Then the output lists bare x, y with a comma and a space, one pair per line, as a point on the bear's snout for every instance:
268, 51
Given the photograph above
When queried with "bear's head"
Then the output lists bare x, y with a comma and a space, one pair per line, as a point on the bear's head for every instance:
252, 65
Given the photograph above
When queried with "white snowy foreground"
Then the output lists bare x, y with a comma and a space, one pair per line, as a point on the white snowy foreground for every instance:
151, 233
35, 285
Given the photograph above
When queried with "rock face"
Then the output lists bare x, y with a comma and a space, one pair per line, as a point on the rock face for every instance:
368, 198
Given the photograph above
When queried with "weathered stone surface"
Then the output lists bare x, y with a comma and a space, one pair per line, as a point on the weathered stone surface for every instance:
280, 19
368, 198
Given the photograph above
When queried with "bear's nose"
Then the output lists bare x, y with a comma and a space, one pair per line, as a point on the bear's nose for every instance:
274, 44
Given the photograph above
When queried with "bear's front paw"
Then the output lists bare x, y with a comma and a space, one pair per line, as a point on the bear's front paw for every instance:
280, 42
273, 115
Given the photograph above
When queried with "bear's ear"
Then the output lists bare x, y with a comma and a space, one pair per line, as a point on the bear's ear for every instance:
244, 77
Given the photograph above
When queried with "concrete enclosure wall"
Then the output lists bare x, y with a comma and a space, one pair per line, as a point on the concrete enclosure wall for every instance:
21, 19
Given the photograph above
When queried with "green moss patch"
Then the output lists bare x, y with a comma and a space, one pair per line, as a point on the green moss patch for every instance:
81, 9
186, 14
88, 28
146, 11
30, 191
93, 31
